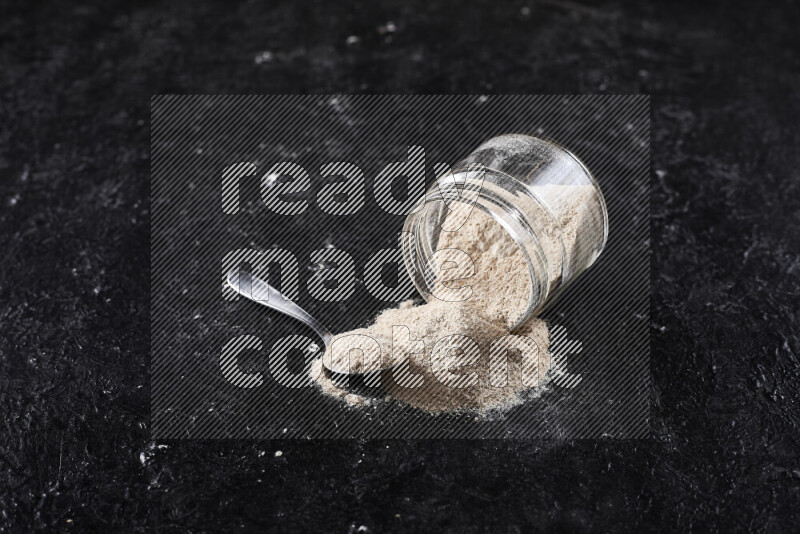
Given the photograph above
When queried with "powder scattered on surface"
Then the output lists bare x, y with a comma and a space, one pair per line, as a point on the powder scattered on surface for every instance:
449, 356
358, 351
452, 354
473, 372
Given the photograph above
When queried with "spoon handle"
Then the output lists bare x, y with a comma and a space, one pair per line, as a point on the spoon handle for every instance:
257, 290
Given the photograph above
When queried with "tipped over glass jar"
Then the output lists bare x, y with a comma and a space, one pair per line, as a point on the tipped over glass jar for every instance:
542, 195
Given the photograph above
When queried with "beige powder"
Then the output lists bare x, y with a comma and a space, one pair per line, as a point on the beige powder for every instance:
438, 370
454, 354
435, 371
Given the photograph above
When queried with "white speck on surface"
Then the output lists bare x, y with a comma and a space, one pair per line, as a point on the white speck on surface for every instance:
353, 40
278, 454
270, 180
318, 266
261, 454
13, 200
264, 57
389, 27
661, 173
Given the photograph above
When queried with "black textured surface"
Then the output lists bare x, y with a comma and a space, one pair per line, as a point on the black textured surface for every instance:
75, 451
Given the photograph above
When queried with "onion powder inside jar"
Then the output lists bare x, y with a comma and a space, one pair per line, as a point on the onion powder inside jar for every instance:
539, 192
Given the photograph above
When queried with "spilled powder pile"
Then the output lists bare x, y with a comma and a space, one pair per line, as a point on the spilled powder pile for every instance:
453, 356
438, 371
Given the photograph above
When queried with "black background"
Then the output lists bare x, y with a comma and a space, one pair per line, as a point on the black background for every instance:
76, 81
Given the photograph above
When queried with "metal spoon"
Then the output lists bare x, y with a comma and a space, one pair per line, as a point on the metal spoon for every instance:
258, 290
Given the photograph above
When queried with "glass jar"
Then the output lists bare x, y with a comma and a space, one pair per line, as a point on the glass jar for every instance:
539, 192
